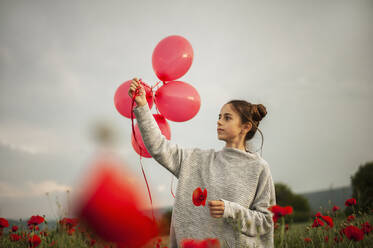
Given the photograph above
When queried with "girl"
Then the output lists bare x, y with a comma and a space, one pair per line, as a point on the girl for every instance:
239, 182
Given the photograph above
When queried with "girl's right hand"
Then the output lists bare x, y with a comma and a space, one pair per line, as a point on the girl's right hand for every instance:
140, 99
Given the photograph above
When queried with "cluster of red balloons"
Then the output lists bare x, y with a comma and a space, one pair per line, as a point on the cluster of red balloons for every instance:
175, 100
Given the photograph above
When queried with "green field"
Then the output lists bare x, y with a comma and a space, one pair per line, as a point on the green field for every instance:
292, 237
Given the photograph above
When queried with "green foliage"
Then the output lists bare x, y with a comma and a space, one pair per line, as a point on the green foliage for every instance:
165, 223
362, 187
301, 207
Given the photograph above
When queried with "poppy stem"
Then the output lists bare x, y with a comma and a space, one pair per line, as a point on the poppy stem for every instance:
349, 244
282, 229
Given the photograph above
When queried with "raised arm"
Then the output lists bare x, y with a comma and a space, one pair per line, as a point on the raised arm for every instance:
162, 150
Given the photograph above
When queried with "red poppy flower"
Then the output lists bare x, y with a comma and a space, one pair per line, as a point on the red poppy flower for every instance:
277, 210
353, 233
288, 210
275, 218
337, 240
281, 211
199, 197
307, 240
317, 222
318, 214
14, 228
335, 208
326, 239
350, 218
328, 220
92, 243
69, 222
35, 220
350, 202
34, 241
71, 231
3, 223
366, 227
206, 243
14, 237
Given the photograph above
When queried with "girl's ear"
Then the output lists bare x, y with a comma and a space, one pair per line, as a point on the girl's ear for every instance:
248, 126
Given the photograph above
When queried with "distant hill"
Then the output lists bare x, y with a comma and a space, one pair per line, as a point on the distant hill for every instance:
22, 225
320, 199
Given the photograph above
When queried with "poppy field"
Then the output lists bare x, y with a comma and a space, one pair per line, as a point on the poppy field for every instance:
330, 229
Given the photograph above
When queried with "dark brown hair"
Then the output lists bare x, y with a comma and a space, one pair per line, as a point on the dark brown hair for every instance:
249, 112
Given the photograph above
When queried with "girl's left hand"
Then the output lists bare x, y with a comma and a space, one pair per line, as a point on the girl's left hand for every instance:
216, 208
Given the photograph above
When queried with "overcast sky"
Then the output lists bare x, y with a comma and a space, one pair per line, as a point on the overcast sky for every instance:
309, 62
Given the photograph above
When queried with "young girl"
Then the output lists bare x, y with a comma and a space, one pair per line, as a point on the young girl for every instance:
238, 182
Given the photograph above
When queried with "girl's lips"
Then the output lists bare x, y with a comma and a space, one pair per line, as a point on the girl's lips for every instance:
219, 129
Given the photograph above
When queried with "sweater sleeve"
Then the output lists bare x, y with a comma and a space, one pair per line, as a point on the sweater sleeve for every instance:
256, 220
162, 150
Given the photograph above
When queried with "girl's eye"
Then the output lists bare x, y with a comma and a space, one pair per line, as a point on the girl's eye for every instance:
227, 118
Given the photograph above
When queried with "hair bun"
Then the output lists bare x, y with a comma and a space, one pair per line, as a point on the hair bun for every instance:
259, 112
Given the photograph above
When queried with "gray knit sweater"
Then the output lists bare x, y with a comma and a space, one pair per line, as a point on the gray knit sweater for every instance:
241, 179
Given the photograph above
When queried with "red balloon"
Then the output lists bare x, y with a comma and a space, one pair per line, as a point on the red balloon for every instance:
165, 130
111, 203
177, 101
172, 58
123, 101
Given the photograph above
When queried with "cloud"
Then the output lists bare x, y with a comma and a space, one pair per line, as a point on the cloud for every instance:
29, 149
31, 189
26, 138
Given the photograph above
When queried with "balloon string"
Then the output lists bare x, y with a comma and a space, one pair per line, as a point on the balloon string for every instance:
137, 93
172, 179
155, 85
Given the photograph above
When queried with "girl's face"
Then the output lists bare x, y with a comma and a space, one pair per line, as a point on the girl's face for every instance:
229, 124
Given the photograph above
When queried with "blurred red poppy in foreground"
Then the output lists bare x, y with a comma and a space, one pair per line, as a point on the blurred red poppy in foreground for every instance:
353, 233
307, 240
318, 221
14, 237
34, 241
350, 218
3, 223
69, 222
350, 202
366, 227
335, 208
110, 204
199, 197
206, 243
35, 220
